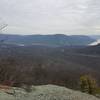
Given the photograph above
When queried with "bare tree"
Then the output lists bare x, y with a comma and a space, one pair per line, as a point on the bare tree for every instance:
2, 26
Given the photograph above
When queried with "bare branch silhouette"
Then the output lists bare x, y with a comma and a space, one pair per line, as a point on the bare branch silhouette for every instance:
2, 26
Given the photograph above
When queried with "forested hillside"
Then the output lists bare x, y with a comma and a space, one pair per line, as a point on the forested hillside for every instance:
38, 64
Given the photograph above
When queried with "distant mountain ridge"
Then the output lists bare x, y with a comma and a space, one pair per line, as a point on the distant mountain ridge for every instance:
53, 40
95, 36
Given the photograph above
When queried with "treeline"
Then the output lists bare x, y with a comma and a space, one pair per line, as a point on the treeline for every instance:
13, 72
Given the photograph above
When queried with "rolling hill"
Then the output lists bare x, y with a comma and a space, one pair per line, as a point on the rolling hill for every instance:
91, 50
51, 40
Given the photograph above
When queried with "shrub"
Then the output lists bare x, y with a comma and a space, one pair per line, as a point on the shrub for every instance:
88, 84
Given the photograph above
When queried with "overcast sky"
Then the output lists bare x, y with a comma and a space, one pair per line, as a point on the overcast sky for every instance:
50, 16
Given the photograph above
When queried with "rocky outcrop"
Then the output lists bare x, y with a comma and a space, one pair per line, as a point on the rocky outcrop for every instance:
45, 92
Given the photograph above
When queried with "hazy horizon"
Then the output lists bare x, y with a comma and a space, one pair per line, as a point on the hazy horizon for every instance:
74, 17
22, 34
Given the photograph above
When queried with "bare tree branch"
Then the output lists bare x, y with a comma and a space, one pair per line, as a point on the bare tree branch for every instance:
2, 26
